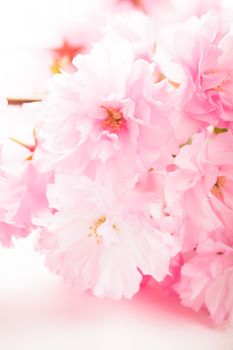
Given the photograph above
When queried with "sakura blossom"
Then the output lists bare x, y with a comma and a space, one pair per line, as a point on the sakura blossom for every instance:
198, 200
23, 188
199, 76
206, 278
110, 122
111, 240
203, 179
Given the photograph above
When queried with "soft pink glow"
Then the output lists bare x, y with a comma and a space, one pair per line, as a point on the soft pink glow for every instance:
116, 156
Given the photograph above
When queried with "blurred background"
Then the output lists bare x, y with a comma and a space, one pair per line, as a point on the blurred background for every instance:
38, 38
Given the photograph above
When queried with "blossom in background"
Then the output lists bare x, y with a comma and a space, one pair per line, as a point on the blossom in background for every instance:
165, 12
23, 187
50, 48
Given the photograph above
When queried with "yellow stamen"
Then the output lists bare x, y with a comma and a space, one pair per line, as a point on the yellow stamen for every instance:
93, 229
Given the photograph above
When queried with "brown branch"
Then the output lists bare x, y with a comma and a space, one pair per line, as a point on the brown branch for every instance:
21, 101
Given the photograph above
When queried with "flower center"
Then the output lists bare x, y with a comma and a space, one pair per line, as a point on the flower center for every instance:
93, 229
159, 76
217, 188
114, 120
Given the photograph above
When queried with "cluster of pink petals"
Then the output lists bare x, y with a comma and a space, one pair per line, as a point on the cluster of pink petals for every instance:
206, 279
195, 63
111, 242
199, 198
118, 130
23, 187
114, 120
126, 167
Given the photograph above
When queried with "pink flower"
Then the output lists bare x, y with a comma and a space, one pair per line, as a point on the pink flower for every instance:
22, 196
106, 115
23, 188
206, 280
198, 205
195, 58
101, 241
198, 193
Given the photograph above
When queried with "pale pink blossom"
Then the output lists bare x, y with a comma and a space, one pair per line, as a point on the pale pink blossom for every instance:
22, 196
101, 241
198, 192
195, 59
198, 209
23, 187
106, 115
206, 280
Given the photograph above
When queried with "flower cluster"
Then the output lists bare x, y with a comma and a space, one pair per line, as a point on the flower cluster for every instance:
126, 166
